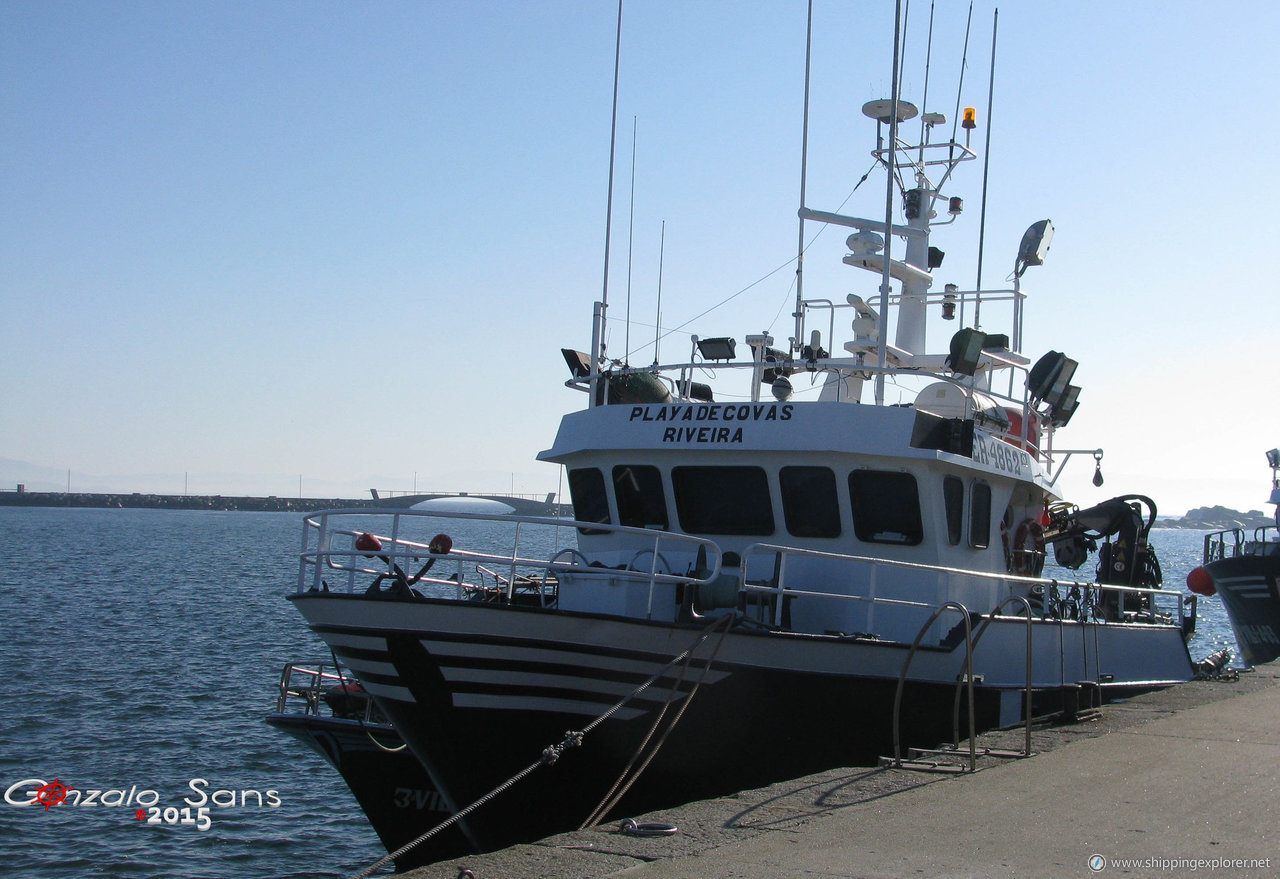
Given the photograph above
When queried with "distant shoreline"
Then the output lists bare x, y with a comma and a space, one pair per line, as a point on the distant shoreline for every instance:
144, 501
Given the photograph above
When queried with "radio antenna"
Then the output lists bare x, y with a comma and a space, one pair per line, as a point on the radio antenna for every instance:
631, 226
657, 329
986, 163
924, 102
804, 168
964, 63
882, 353
599, 330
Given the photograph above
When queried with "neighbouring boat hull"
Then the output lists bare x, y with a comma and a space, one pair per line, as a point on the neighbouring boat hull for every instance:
387, 781
1250, 592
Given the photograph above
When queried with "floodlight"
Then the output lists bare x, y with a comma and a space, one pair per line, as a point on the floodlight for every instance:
1066, 406
579, 363
966, 349
1034, 246
722, 348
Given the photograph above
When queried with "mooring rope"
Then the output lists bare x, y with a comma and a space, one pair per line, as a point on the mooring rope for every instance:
574, 739
627, 778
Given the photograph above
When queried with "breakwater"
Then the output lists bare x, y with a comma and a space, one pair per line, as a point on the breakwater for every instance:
138, 500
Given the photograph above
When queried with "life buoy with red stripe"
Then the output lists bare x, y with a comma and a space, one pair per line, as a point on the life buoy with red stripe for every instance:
1027, 555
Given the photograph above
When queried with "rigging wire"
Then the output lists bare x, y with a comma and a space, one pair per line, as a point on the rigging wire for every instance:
805, 249
768, 274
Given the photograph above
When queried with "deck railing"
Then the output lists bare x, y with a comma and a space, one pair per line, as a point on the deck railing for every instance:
1082, 600
303, 688
329, 551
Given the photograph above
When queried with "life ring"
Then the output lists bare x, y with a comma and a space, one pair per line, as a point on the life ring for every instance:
1027, 557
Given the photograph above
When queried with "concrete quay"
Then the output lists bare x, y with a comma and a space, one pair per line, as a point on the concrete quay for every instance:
1172, 783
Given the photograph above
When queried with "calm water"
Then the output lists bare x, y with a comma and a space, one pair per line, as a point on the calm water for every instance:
141, 649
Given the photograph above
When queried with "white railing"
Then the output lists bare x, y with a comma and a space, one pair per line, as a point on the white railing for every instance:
330, 552
1154, 606
303, 688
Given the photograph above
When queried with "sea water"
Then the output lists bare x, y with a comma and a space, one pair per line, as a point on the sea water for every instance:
140, 652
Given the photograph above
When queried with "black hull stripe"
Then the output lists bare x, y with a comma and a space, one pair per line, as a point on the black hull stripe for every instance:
481, 663
508, 641
657, 692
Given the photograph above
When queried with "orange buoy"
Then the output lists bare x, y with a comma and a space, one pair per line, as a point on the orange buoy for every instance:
1200, 582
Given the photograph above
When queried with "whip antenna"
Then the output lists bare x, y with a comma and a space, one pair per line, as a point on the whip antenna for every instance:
657, 329
631, 228
804, 166
964, 62
882, 353
986, 163
924, 101
598, 330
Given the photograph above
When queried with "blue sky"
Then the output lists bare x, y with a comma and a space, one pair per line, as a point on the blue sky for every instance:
245, 244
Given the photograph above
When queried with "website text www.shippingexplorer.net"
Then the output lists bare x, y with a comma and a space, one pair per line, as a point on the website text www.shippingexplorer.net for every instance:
1102, 864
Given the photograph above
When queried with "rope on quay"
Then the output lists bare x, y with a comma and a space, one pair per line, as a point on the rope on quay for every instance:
573, 739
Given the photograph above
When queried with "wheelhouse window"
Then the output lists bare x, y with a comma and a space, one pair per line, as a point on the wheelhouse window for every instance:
590, 503
809, 504
886, 507
980, 516
641, 501
723, 500
953, 501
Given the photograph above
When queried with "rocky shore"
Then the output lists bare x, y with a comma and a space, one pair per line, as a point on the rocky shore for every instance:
1217, 519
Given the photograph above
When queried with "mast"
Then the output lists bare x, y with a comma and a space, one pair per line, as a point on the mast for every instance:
804, 166
882, 351
602, 307
986, 162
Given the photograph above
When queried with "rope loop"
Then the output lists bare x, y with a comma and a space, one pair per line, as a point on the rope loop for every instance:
631, 828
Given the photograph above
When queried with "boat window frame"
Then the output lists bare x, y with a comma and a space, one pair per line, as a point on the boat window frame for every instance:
703, 508
874, 521
801, 501
953, 506
601, 497
979, 525
642, 502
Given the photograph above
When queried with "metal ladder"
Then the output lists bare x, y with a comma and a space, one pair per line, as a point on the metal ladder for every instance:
966, 681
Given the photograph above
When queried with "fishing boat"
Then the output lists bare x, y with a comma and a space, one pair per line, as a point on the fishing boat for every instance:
332, 714
761, 579
1245, 573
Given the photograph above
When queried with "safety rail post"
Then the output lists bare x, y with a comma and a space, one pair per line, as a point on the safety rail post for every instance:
653, 575
515, 554
780, 604
968, 676
307, 524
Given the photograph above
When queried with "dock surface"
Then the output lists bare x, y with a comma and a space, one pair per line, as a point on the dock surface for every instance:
1180, 781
